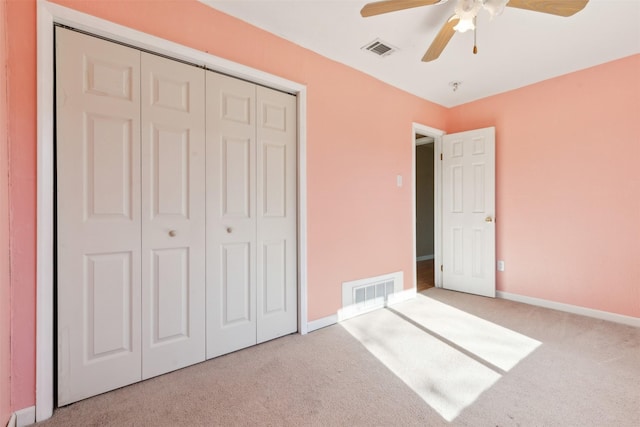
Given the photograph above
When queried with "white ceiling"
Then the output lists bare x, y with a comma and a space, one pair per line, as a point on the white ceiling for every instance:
515, 49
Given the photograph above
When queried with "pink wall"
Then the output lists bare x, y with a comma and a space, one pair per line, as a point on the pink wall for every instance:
5, 316
568, 187
358, 140
21, 92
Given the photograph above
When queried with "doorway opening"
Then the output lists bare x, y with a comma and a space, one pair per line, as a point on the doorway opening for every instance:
425, 208
464, 260
426, 145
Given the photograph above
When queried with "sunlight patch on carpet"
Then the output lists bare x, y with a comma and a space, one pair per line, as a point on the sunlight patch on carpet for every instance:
448, 357
493, 343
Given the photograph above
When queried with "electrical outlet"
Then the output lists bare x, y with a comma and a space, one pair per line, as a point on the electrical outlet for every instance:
500, 265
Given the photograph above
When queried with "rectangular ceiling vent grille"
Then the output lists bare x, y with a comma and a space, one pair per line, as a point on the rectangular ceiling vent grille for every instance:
361, 296
380, 48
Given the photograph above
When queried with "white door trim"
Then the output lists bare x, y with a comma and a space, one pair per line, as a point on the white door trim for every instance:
436, 134
49, 14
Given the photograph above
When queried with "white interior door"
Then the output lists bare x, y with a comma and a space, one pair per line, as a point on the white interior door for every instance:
468, 221
231, 214
276, 214
173, 215
98, 222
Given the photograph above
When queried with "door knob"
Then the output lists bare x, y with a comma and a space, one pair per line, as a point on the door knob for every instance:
172, 233
229, 230
488, 219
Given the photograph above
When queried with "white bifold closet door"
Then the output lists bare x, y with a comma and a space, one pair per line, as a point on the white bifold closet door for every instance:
251, 214
176, 215
130, 215
173, 215
98, 211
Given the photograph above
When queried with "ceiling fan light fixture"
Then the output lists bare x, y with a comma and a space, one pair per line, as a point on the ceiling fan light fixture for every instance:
494, 7
471, 7
465, 24
466, 11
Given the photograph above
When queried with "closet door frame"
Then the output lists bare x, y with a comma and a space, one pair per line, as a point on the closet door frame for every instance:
49, 15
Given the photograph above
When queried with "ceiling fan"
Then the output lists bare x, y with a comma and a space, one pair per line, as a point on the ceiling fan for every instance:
464, 17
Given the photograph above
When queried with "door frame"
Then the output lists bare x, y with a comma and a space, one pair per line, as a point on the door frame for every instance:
49, 14
436, 134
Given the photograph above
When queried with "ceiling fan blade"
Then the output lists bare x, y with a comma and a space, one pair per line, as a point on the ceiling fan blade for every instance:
441, 40
386, 6
554, 7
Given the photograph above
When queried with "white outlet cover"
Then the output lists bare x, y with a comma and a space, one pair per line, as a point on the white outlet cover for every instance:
399, 180
500, 265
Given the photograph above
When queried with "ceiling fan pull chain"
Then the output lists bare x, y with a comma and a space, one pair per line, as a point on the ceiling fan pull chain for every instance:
475, 29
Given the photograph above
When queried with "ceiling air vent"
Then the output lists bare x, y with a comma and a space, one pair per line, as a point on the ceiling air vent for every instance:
380, 48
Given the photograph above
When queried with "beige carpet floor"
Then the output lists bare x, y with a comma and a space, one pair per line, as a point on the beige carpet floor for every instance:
444, 358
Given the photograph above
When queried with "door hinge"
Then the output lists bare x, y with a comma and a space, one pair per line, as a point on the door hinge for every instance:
441, 269
440, 156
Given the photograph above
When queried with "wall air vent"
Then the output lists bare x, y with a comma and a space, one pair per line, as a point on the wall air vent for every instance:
364, 295
380, 48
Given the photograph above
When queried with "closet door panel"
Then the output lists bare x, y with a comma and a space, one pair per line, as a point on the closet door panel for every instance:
231, 211
173, 218
98, 215
276, 214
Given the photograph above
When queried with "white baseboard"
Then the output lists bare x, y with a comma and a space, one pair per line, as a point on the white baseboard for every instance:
349, 312
424, 258
12, 421
574, 309
24, 417
314, 325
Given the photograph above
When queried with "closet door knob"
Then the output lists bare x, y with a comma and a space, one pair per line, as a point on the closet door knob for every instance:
172, 233
229, 230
